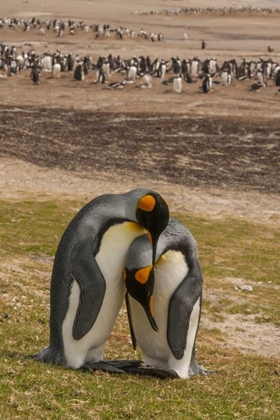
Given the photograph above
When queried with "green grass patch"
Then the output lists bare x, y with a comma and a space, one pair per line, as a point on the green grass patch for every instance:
244, 387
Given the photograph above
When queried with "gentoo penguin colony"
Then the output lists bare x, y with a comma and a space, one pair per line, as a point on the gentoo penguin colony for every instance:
189, 70
87, 288
165, 301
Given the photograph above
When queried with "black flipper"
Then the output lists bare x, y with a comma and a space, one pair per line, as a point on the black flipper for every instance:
85, 270
129, 316
180, 308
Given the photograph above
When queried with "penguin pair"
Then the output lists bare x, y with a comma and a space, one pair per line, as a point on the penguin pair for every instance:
87, 288
164, 302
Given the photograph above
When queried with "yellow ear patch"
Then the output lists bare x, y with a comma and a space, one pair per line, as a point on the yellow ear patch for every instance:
142, 275
151, 305
146, 203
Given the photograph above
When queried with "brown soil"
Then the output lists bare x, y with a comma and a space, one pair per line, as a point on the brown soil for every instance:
210, 155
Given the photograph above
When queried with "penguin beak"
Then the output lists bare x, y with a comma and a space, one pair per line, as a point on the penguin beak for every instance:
154, 242
149, 312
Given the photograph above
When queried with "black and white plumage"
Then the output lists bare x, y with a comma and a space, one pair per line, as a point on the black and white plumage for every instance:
35, 75
146, 82
177, 84
226, 78
164, 303
131, 74
277, 78
117, 85
79, 72
100, 76
87, 288
207, 86
56, 71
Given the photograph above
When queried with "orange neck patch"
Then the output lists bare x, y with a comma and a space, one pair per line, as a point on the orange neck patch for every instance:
142, 275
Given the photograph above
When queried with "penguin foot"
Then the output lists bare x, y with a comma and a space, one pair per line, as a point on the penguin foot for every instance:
112, 366
153, 371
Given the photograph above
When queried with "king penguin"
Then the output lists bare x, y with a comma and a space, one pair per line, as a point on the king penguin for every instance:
164, 302
87, 289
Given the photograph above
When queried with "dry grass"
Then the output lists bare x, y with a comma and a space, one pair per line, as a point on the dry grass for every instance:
245, 386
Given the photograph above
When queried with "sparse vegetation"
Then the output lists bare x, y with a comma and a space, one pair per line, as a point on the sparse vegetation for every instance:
245, 386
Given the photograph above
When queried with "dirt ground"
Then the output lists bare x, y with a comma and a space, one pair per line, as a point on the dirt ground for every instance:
210, 155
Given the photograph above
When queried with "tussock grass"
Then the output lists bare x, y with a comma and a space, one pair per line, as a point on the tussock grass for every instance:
245, 386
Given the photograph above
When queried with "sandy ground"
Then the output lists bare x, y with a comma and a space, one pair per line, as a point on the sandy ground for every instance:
242, 35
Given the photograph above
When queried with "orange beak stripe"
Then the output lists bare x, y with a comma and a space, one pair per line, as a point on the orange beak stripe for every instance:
142, 275
146, 203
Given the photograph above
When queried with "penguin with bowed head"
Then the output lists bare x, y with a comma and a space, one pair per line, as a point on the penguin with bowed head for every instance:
87, 287
164, 302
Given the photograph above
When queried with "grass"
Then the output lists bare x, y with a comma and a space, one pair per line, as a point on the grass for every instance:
231, 251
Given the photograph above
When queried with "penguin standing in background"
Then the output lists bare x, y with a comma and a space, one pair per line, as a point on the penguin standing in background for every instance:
207, 84
162, 69
177, 84
164, 302
35, 74
131, 74
226, 77
100, 76
79, 72
277, 78
87, 287
56, 71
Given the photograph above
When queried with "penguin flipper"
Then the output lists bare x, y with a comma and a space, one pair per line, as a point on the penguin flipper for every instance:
129, 316
180, 309
86, 272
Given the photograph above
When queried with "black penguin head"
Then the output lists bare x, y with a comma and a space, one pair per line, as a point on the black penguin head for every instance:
153, 214
140, 285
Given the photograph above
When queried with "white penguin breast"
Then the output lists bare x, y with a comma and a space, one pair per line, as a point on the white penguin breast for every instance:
170, 270
110, 259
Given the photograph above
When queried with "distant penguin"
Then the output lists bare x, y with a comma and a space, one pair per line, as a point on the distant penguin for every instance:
164, 303
117, 85
69, 64
87, 288
177, 84
100, 76
261, 76
79, 72
226, 78
162, 69
56, 71
35, 75
277, 78
146, 82
131, 74
47, 62
106, 68
207, 84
